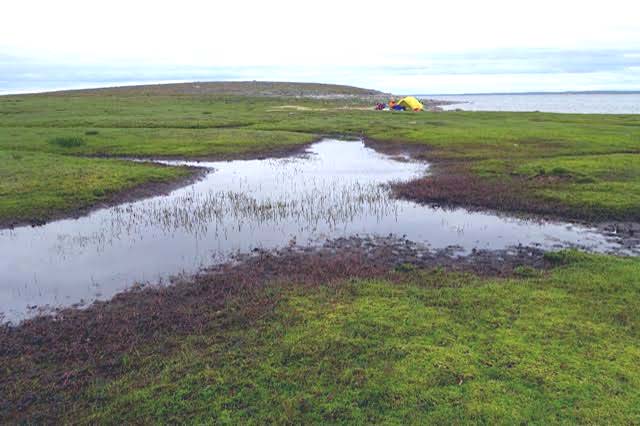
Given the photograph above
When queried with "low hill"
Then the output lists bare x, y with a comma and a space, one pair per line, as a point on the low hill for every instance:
239, 88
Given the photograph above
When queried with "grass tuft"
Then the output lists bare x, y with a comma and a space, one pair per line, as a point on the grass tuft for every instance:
67, 142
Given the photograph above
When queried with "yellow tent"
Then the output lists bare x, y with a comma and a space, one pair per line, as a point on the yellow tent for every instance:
411, 103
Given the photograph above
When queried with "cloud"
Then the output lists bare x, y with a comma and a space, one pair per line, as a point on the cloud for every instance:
454, 72
429, 46
294, 33
520, 61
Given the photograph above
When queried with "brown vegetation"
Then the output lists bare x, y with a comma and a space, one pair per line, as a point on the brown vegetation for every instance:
453, 185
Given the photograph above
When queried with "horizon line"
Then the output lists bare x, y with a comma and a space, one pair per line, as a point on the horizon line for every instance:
107, 85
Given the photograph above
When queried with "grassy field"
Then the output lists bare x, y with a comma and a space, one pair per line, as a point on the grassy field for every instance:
413, 347
329, 341
438, 349
584, 166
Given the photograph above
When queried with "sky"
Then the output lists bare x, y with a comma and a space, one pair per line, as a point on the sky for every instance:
402, 47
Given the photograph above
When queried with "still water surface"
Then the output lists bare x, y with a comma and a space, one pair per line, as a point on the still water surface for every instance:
583, 103
336, 189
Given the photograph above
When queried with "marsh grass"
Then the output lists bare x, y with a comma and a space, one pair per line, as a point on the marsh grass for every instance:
217, 210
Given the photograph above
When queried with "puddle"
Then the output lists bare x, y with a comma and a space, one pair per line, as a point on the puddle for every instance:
335, 190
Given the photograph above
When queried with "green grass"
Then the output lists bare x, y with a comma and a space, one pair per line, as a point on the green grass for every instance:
604, 183
440, 348
146, 142
67, 142
541, 347
35, 186
497, 145
52, 179
587, 168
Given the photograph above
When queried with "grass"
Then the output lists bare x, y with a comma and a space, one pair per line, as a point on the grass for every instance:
408, 346
607, 183
36, 186
32, 190
439, 349
67, 142
147, 142
505, 148
429, 347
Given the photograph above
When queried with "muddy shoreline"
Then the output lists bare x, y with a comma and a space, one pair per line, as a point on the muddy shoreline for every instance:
336, 259
451, 185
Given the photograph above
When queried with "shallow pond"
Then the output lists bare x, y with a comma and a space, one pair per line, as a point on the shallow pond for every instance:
336, 189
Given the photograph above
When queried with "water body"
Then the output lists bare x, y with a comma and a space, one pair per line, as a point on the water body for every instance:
582, 103
335, 190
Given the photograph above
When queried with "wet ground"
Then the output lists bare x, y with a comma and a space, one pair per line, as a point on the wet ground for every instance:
336, 190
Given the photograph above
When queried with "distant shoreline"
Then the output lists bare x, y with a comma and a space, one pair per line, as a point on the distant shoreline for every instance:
585, 92
600, 102
138, 83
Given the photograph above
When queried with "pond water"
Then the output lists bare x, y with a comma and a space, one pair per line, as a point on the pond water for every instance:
334, 190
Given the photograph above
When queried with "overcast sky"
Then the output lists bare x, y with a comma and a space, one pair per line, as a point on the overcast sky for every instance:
400, 46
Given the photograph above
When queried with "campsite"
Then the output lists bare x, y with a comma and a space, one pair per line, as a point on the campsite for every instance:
210, 251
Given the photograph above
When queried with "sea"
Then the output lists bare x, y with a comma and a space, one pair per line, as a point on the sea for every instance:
574, 103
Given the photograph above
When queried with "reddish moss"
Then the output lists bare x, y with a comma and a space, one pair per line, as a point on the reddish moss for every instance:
453, 185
